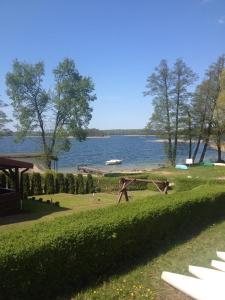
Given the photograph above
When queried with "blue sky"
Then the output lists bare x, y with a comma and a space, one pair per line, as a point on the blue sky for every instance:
118, 43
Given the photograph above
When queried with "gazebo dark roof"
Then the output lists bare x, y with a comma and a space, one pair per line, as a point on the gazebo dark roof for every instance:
6, 163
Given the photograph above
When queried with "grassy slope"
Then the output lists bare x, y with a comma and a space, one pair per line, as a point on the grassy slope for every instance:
36, 211
194, 171
144, 281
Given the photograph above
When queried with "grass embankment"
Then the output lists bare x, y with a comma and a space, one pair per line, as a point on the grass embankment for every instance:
71, 252
196, 171
143, 282
35, 211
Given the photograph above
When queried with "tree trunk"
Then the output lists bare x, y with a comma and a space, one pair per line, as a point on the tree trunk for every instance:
190, 147
219, 152
204, 150
176, 129
209, 129
190, 134
218, 144
196, 148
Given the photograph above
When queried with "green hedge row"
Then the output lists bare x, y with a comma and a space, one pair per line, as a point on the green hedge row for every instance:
56, 257
50, 183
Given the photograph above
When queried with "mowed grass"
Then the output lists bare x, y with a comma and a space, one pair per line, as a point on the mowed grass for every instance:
144, 282
35, 211
204, 172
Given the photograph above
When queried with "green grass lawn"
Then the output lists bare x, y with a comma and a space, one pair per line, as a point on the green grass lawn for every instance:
143, 282
204, 172
35, 211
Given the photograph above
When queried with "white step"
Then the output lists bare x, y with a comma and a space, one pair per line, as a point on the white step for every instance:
196, 288
220, 254
214, 276
220, 265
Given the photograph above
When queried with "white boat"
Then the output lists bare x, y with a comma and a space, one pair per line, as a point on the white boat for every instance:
113, 162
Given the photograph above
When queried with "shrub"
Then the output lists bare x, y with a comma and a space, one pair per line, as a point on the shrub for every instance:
69, 183
2, 180
89, 184
80, 184
76, 249
59, 183
49, 184
26, 186
36, 187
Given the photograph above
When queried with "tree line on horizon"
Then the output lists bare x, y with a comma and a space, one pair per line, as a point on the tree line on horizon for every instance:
181, 113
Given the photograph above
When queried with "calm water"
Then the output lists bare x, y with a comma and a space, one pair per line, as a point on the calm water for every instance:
137, 152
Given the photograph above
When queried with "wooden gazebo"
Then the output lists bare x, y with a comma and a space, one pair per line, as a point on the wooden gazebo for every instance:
10, 198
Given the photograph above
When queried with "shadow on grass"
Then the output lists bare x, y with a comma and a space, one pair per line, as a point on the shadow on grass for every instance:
145, 256
32, 210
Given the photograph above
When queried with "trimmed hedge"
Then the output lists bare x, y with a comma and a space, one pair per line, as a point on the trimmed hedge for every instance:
89, 184
110, 184
80, 184
49, 183
69, 183
26, 186
56, 257
59, 183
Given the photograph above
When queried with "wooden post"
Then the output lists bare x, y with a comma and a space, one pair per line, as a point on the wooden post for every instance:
162, 186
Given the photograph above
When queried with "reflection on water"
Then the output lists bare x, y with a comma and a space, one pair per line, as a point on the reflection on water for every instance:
137, 152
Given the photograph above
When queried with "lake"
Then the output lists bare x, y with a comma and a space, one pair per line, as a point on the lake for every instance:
137, 152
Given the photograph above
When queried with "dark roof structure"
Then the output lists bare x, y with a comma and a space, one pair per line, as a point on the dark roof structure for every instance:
6, 163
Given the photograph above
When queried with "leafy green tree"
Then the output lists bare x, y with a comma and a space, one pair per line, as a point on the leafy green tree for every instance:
159, 86
213, 79
219, 117
182, 78
170, 88
67, 105
201, 111
3, 118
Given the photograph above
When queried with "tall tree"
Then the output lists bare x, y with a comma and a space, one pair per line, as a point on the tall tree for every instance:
213, 78
159, 85
59, 113
3, 118
219, 118
201, 111
171, 97
182, 78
